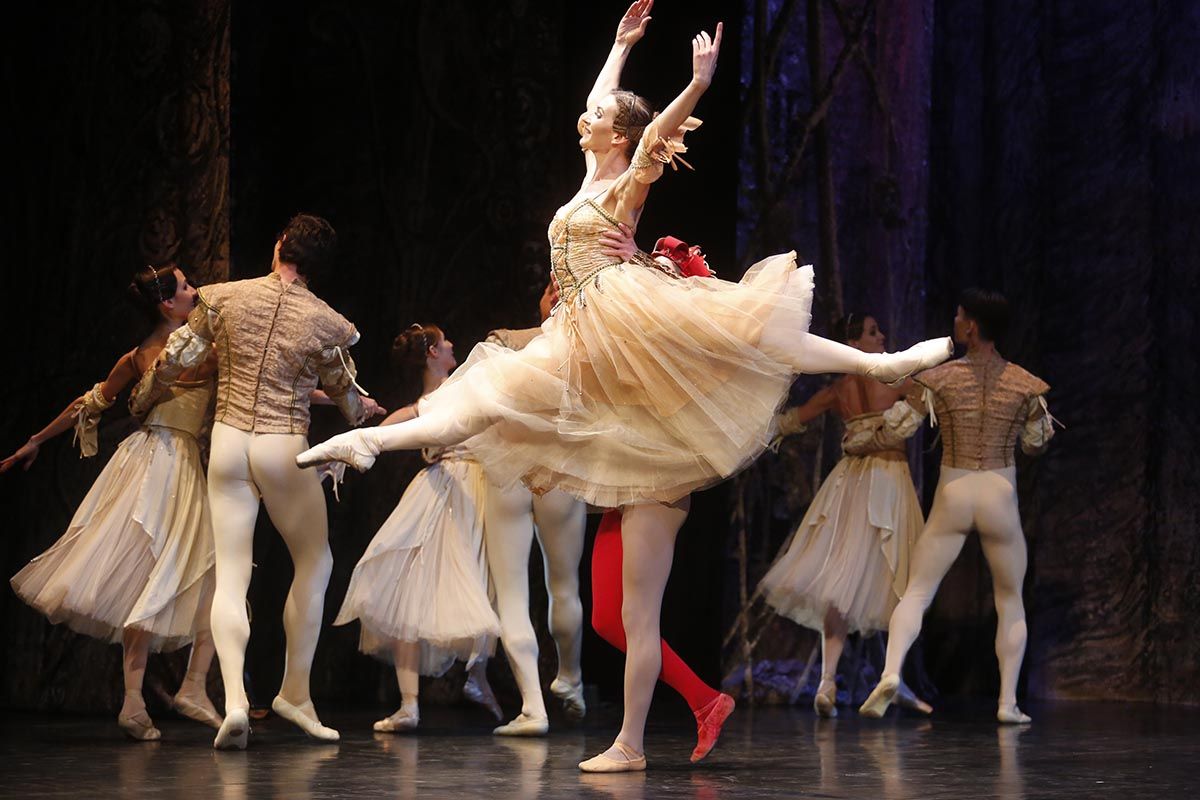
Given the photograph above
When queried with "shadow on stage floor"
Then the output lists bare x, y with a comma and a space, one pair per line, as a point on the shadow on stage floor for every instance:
1073, 750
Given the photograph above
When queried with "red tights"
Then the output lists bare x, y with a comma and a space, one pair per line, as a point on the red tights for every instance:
606, 614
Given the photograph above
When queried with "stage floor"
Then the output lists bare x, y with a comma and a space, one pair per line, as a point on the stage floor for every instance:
1083, 750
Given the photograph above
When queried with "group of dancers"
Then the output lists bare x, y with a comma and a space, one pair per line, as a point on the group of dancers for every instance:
648, 379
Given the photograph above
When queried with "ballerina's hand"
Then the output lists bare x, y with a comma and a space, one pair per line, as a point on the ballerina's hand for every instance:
632, 26
618, 244
373, 408
25, 456
704, 56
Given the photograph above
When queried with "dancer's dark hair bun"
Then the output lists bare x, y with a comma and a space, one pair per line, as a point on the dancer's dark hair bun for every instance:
850, 327
150, 287
411, 347
634, 113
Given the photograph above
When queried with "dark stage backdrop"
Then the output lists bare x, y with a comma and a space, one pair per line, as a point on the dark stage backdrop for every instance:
439, 138
1051, 150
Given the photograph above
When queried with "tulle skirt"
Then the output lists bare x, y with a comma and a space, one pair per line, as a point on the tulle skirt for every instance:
139, 550
851, 549
644, 388
424, 575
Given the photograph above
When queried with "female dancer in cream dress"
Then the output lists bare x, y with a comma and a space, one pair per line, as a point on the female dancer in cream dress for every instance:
846, 565
644, 386
420, 591
136, 563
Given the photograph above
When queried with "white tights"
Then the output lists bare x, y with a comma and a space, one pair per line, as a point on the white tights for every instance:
243, 468
509, 519
985, 500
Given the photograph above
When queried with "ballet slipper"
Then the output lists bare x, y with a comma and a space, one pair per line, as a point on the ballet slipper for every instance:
304, 717
139, 727
1011, 715
403, 720
571, 695
481, 695
825, 700
203, 711
709, 721
630, 761
234, 731
881, 697
892, 368
907, 700
524, 726
355, 448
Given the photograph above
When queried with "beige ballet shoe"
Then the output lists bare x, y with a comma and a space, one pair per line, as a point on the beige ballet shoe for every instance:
192, 710
351, 447
304, 717
630, 761
481, 695
571, 695
139, 727
881, 697
524, 726
399, 722
234, 731
825, 700
1012, 715
892, 368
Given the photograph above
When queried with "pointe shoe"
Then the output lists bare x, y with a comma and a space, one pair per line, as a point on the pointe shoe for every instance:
631, 761
881, 697
825, 700
1011, 715
199, 713
139, 727
234, 731
907, 700
306, 722
353, 448
892, 368
708, 724
571, 695
524, 726
481, 695
399, 722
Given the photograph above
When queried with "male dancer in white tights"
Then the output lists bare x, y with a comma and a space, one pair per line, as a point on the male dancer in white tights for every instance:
276, 339
984, 404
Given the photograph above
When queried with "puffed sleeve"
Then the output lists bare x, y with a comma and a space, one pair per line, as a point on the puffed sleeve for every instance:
336, 372
900, 422
648, 160
185, 348
87, 419
1038, 429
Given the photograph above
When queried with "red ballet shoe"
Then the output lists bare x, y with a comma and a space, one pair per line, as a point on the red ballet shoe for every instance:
708, 724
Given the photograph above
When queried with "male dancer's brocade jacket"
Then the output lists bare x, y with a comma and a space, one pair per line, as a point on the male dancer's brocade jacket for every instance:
983, 408
274, 342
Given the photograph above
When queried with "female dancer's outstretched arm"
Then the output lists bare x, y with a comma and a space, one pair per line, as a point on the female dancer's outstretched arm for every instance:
89, 405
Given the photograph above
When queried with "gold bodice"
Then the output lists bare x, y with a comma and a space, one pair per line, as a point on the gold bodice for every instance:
183, 407
575, 257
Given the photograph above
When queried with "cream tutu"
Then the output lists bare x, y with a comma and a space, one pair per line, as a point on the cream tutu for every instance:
423, 578
139, 550
643, 386
851, 549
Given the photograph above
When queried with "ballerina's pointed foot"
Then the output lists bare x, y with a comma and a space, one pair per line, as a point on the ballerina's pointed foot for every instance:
352, 447
304, 717
881, 697
403, 720
709, 721
618, 758
571, 695
139, 727
524, 726
909, 701
234, 731
825, 700
1010, 714
893, 368
199, 708
481, 695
